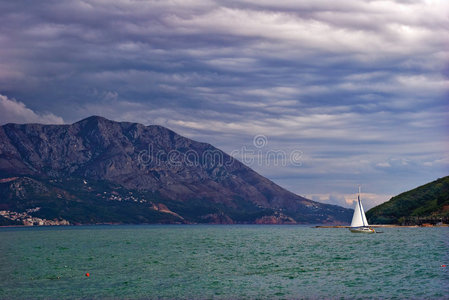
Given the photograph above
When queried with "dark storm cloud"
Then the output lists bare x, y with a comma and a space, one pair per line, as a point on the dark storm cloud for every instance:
358, 86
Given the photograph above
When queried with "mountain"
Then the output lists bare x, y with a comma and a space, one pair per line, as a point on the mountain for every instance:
98, 171
427, 203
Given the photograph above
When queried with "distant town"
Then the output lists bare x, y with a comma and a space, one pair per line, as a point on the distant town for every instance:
26, 219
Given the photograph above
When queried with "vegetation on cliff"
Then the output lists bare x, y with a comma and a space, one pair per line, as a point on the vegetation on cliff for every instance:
427, 203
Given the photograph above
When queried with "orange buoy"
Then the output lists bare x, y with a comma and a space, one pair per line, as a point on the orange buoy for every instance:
87, 274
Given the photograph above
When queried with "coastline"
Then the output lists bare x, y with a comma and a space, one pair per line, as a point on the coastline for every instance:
385, 226
315, 226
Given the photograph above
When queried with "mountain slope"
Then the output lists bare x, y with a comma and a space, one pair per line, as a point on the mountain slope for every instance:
194, 180
428, 201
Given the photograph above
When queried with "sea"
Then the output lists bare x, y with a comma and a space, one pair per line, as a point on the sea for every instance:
222, 262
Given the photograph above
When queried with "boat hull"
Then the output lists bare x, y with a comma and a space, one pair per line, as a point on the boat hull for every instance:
362, 230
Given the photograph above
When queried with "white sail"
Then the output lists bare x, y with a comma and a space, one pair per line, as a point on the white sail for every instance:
359, 218
365, 221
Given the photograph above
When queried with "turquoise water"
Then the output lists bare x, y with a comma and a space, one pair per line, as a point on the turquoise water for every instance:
222, 262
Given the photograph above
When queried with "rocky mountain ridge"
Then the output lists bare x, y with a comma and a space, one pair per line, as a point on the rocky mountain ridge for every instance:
176, 176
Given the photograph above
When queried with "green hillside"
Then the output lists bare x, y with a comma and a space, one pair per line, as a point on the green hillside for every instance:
95, 201
427, 202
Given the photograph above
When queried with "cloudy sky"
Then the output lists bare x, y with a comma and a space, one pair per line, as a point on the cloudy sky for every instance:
347, 92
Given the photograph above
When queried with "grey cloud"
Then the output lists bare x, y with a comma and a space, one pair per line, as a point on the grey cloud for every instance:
362, 78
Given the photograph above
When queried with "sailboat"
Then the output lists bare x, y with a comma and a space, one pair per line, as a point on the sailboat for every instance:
359, 223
